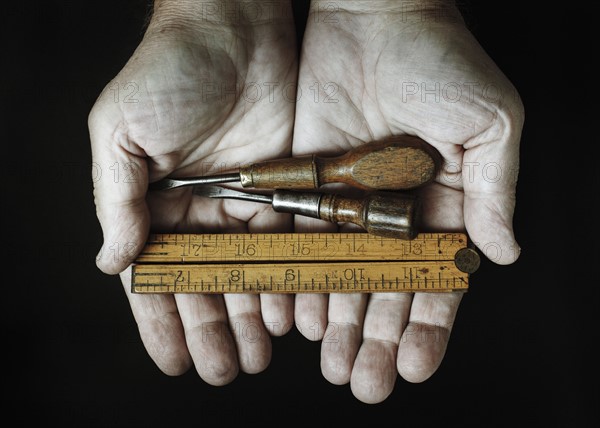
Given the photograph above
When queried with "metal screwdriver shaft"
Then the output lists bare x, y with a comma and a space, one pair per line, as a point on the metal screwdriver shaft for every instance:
171, 183
384, 214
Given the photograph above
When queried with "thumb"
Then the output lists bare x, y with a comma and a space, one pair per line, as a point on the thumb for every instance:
120, 177
490, 169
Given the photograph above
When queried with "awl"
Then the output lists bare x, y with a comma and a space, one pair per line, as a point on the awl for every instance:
386, 214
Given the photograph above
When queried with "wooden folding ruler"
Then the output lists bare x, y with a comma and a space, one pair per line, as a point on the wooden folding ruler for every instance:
303, 263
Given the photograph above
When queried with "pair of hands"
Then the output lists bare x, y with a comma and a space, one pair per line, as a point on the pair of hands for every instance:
209, 90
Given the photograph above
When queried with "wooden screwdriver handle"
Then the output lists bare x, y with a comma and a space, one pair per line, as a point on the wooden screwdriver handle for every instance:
383, 214
392, 215
396, 163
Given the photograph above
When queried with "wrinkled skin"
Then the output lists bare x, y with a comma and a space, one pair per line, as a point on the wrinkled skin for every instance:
206, 104
374, 71
212, 97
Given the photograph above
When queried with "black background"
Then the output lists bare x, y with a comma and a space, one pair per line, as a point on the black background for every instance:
521, 350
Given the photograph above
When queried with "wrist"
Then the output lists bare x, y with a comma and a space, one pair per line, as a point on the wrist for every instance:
405, 10
381, 6
364, 19
216, 16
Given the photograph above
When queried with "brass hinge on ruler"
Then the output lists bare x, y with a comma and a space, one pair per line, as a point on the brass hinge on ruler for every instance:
303, 263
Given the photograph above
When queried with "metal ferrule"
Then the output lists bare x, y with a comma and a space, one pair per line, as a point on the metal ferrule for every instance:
302, 203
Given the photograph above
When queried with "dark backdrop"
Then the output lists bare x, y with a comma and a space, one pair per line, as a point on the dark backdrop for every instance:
521, 350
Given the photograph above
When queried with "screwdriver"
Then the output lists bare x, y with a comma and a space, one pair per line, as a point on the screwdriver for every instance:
392, 215
397, 163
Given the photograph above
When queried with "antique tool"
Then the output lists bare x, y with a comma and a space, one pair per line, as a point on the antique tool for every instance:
303, 263
397, 163
380, 213
391, 258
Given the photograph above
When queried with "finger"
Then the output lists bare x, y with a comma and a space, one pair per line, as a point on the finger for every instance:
310, 315
310, 310
160, 328
343, 336
490, 167
374, 372
425, 338
208, 338
244, 311
277, 309
277, 313
120, 182
250, 335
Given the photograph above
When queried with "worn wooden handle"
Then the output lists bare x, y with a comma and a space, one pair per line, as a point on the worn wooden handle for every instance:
290, 173
382, 214
397, 163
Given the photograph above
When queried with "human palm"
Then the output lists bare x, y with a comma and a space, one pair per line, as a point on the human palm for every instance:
367, 76
207, 103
